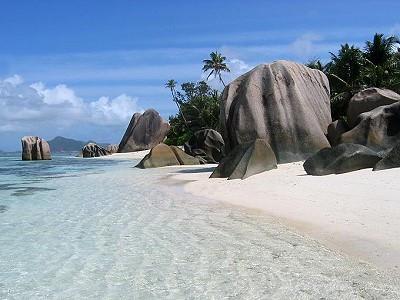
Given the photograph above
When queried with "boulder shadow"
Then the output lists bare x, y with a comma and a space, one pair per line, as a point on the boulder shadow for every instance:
197, 170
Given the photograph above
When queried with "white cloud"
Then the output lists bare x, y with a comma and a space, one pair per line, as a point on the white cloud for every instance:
113, 111
305, 46
24, 106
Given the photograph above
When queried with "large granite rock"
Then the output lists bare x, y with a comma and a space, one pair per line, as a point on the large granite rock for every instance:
35, 148
144, 132
93, 150
163, 155
367, 100
390, 160
113, 148
378, 129
285, 103
208, 145
335, 130
246, 160
341, 159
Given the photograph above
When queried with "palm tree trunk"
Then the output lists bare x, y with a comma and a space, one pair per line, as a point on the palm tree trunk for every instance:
179, 108
220, 79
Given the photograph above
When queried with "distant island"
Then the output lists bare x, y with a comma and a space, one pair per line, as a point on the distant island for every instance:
62, 144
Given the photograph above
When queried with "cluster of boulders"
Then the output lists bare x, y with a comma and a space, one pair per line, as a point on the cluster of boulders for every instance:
275, 113
207, 145
368, 139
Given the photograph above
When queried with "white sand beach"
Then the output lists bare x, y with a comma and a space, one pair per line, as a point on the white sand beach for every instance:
357, 213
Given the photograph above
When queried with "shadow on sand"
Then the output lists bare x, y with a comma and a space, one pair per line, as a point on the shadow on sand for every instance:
198, 170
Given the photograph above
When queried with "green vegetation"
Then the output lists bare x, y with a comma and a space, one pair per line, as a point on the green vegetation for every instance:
216, 64
353, 69
349, 70
198, 106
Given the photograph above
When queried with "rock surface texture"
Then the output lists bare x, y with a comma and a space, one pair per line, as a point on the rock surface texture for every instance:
35, 148
341, 159
368, 100
378, 129
113, 148
144, 132
208, 145
94, 150
246, 160
389, 160
335, 130
285, 103
163, 155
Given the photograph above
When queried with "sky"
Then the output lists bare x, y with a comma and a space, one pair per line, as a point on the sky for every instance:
80, 69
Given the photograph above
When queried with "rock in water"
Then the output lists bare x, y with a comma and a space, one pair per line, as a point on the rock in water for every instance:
367, 100
335, 130
163, 155
341, 159
389, 160
94, 150
285, 103
208, 145
113, 148
144, 132
378, 129
35, 148
246, 160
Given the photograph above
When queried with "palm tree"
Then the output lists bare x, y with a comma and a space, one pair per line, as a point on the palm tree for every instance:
171, 84
381, 50
216, 64
316, 64
382, 61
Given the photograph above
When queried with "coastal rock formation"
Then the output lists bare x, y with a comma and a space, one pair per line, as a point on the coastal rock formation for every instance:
335, 130
389, 160
378, 129
285, 103
144, 132
183, 158
208, 145
93, 150
246, 160
35, 148
163, 155
113, 148
367, 100
341, 159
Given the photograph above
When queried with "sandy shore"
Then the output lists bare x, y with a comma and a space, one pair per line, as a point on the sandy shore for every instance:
129, 155
357, 213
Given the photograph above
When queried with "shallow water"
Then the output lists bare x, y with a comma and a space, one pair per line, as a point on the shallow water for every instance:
101, 229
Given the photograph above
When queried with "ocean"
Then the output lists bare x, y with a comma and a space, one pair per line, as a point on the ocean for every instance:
74, 228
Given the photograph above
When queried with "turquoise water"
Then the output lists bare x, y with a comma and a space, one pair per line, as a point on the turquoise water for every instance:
75, 228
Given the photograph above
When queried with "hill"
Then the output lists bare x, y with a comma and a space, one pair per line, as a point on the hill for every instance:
62, 144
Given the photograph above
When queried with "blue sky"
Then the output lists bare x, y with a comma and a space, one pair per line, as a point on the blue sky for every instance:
81, 68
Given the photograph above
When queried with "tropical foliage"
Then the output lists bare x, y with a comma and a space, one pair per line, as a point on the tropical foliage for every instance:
216, 64
353, 69
198, 109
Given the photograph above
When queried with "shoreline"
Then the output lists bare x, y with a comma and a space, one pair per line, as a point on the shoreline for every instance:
344, 212
355, 213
